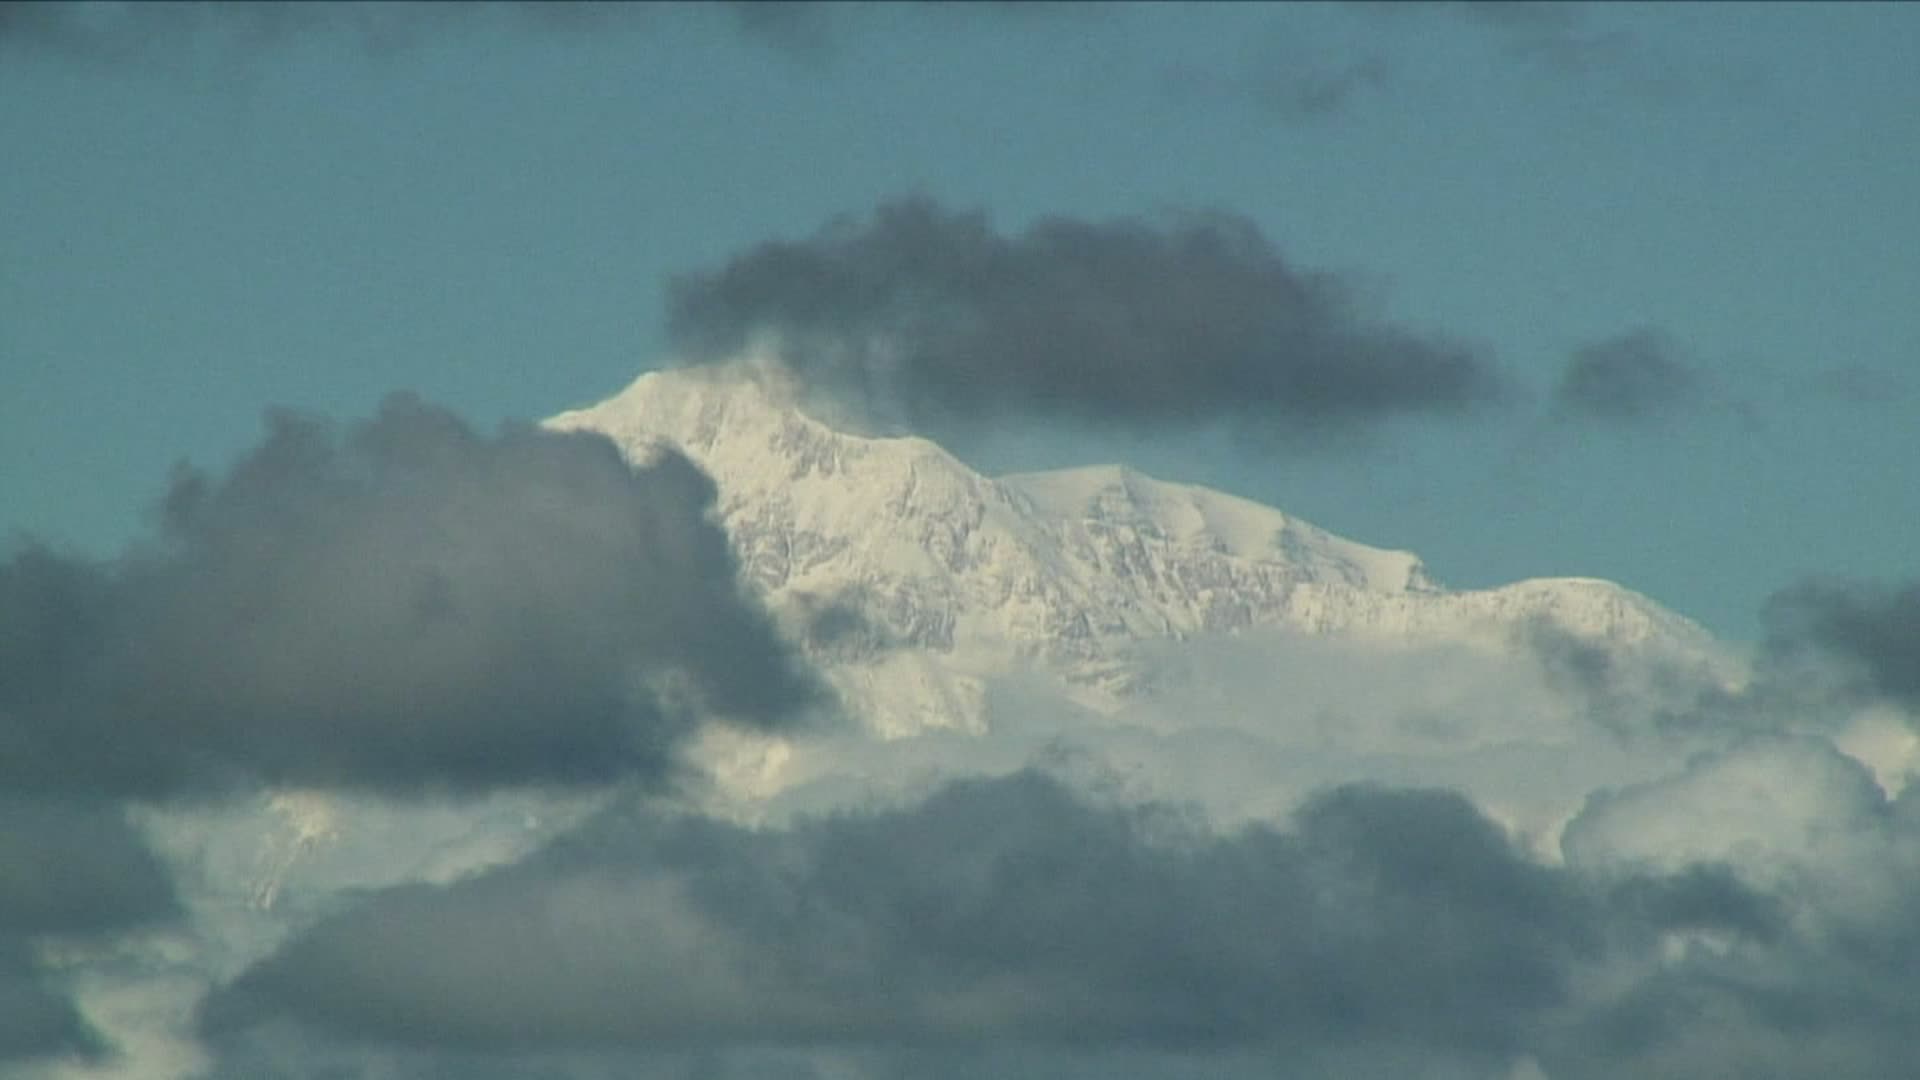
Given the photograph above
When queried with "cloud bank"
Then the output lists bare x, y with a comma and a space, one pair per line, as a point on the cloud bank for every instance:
1017, 919
999, 909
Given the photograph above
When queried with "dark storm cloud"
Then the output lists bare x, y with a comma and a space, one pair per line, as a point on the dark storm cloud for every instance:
1634, 378
1872, 631
920, 314
998, 912
403, 606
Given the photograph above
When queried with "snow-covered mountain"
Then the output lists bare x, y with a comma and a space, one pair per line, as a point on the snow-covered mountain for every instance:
911, 579
1203, 646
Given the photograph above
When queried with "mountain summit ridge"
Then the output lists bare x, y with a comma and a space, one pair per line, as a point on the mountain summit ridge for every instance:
913, 578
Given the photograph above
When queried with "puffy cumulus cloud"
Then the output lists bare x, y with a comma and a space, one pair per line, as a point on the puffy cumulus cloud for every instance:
995, 913
403, 606
1635, 378
1768, 805
923, 316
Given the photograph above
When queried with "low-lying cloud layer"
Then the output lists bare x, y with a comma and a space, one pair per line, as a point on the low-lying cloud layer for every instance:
1014, 917
922, 316
997, 910
403, 607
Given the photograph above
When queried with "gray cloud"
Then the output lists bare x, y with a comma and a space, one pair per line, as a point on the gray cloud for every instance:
76, 868
1751, 914
1872, 631
35, 1020
921, 315
74, 871
1823, 986
406, 606
1642, 696
1387, 926
1635, 378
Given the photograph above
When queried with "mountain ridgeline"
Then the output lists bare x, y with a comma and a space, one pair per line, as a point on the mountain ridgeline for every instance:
912, 579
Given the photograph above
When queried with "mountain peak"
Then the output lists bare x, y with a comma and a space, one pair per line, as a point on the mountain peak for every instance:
949, 577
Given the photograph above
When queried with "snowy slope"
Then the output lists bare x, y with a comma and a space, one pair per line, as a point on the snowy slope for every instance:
911, 578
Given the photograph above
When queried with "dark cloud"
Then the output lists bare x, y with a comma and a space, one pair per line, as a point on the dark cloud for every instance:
922, 315
1820, 866
997, 912
1635, 378
1012, 927
36, 1021
1872, 631
404, 606
71, 870
76, 868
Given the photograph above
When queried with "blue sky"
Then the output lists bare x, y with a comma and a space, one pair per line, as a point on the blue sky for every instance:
209, 212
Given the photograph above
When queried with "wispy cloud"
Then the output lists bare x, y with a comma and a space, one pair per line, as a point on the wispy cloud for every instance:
1635, 378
